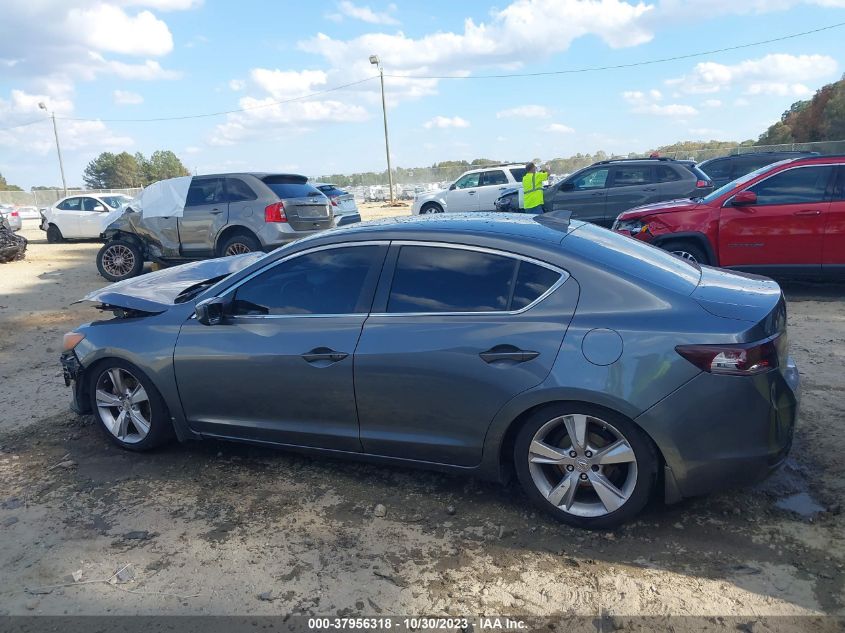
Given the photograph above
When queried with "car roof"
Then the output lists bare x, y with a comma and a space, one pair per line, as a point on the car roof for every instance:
486, 167
634, 161
786, 153
257, 174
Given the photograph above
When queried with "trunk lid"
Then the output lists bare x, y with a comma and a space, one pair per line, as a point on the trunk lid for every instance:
742, 296
157, 291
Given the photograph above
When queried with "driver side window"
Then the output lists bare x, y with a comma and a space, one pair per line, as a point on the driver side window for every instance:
467, 181
71, 204
595, 179
332, 281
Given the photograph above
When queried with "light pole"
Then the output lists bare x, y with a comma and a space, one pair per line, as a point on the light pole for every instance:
375, 60
58, 147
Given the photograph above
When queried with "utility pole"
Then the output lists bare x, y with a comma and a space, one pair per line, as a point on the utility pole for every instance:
375, 60
58, 147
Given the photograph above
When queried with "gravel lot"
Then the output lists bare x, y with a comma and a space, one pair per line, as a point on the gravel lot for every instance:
214, 528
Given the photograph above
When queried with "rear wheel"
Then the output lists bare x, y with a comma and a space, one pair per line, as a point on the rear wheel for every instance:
587, 466
54, 235
120, 259
239, 244
687, 250
128, 406
431, 207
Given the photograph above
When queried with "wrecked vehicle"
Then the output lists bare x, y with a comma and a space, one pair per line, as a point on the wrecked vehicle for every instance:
12, 247
191, 218
599, 369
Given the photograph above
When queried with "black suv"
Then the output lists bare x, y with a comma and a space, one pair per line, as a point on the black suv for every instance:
603, 190
725, 169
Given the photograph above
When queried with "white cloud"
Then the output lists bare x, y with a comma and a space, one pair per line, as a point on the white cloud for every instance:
192, 149
559, 128
712, 103
285, 84
124, 97
167, 5
525, 112
742, 102
22, 107
237, 84
109, 28
148, 71
446, 122
366, 14
647, 103
779, 74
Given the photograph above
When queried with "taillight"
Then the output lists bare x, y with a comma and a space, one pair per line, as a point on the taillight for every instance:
334, 200
14, 214
745, 359
275, 212
701, 184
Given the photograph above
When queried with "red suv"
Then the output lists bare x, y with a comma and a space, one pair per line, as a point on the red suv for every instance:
787, 218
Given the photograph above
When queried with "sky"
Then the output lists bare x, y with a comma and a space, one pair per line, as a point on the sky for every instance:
105, 66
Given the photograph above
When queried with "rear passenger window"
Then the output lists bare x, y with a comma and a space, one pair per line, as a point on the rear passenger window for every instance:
633, 175
667, 174
331, 281
531, 282
718, 169
204, 191
493, 178
238, 191
518, 173
435, 279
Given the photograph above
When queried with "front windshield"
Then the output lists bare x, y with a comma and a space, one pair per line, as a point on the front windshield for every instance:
115, 201
739, 182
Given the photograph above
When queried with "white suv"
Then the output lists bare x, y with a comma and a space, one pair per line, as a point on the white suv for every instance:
80, 216
475, 190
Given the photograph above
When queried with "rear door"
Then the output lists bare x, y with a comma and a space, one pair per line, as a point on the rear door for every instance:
785, 228
279, 367
306, 207
206, 213
833, 251
584, 195
456, 332
463, 194
630, 186
492, 184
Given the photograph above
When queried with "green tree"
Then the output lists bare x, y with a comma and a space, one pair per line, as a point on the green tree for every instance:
778, 134
162, 164
99, 173
5, 186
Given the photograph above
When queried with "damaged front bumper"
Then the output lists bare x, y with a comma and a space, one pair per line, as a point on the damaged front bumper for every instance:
73, 373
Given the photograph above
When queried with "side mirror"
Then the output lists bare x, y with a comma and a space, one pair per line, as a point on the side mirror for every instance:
744, 199
210, 311
452, 187
568, 186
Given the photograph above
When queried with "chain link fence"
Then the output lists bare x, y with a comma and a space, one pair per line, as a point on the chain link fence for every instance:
40, 198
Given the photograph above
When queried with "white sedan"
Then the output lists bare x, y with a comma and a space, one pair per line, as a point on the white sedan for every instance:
80, 217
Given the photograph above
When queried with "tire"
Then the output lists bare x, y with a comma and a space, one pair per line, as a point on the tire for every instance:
687, 250
120, 259
54, 235
238, 244
431, 207
121, 398
586, 501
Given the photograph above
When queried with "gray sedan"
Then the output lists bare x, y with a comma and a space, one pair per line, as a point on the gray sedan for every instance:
599, 369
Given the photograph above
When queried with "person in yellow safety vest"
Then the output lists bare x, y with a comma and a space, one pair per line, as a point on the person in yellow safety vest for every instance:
532, 187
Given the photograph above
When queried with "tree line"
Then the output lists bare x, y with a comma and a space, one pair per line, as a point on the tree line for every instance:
122, 171
821, 118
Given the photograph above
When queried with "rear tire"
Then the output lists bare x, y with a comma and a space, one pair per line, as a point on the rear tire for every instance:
609, 479
431, 207
54, 235
128, 407
239, 244
120, 259
687, 250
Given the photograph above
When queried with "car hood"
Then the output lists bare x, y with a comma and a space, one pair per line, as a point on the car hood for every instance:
669, 206
440, 194
157, 291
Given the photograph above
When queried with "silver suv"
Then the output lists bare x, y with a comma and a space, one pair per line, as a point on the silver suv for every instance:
475, 190
224, 214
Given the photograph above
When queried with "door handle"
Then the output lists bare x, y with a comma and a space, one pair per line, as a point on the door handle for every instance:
323, 354
507, 353
650, 189
808, 212
472, 193
215, 211
598, 193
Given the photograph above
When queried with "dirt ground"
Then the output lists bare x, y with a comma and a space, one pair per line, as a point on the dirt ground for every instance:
215, 528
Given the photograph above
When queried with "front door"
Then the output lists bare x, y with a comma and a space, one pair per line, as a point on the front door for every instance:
91, 221
279, 368
584, 195
463, 194
786, 225
206, 213
456, 332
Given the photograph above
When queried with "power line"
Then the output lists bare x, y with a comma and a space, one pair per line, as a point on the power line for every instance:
570, 71
12, 127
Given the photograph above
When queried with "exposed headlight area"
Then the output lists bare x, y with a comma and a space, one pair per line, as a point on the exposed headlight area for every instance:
632, 226
71, 340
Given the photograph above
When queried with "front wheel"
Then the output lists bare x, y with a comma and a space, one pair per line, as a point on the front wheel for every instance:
431, 207
54, 235
128, 406
120, 259
587, 466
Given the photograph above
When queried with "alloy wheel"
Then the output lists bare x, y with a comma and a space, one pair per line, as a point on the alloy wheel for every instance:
123, 405
685, 255
118, 260
238, 248
582, 465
